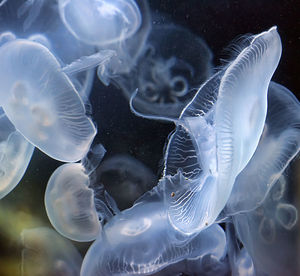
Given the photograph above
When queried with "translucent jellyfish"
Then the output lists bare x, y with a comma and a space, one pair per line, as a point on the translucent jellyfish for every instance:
278, 145
125, 178
145, 229
174, 61
269, 233
217, 134
6, 37
47, 253
15, 155
99, 22
42, 39
42, 103
72, 205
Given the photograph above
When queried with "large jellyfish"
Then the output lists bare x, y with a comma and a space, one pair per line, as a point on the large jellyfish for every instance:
174, 62
42, 103
15, 155
73, 207
269, 233
215, 139
278, 145
47, 253
99, 22
140, 240
125, 179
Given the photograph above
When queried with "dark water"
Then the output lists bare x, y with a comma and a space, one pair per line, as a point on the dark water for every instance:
218, 22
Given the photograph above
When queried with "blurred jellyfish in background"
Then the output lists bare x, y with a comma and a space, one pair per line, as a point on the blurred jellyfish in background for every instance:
140, 240
269, 233
15, 155
47, 253
73, 207
173, 64
34, 95
125, 179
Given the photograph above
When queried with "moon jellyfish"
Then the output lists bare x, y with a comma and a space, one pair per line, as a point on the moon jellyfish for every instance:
125, 179
99, 22
15, 155
215, 140
71, 203
173, 63
42, 103
42, 39
278, 145
140, 240
6, 37
47, 253
268, 233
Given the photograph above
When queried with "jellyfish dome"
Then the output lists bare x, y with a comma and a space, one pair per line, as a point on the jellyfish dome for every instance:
42, 103
99, 22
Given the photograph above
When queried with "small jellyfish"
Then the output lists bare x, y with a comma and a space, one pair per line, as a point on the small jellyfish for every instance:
100, 22
278, 145
42, 103
125, 179
47, 253
15, 155
140, 240
42, 39
174, 61
217, 134
268, 233
6, 37
71, 204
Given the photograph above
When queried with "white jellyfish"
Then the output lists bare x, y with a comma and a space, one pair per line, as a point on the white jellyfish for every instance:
215, 139
15, 155
99, 22
45, 252
42, 103
73, 205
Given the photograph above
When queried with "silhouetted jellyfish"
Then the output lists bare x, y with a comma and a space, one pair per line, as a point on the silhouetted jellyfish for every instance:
100, 22
140, 240
47, 253
42, 103
173, 64
73, 207
215, 139
278, 145
125, 179
269, 233
15, 155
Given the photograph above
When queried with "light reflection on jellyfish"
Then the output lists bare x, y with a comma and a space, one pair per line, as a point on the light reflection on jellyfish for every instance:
125, 179
47, 253
173, 64
75, 205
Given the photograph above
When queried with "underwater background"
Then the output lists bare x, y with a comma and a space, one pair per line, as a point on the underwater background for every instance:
218, 23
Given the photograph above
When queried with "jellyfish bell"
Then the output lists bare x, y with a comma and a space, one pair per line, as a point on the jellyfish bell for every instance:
100, 22
15, 155
42, 103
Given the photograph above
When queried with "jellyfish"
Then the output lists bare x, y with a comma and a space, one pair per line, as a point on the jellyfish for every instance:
278, 146
15, 155
42, 103
174, 62
100, 22
47, 253
125, 179
268, 232
72, 205
140, 240
215, 139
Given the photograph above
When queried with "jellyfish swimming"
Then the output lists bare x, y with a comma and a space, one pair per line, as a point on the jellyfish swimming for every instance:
145, 228
42, 103
45, 252
100, 22
72, 205
15, 155
174, 62
125, 179
211, 147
